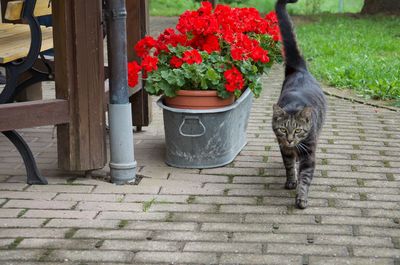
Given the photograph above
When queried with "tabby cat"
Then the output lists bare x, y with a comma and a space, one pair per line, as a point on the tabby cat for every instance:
299, 113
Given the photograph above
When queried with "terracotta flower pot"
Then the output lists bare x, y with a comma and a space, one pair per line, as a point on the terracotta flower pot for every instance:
198, 99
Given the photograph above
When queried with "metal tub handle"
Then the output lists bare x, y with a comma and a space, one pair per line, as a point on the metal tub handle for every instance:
192, 118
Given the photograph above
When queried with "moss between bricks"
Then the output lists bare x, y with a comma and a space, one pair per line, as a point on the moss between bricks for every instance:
45, 255
122, 224
390, 176
21, 213
191, 199
15, 243
70, 233
148, 204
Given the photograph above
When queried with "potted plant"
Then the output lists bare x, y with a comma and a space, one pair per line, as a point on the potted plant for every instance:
221, 53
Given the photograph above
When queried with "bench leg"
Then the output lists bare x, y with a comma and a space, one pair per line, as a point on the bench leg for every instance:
33, 174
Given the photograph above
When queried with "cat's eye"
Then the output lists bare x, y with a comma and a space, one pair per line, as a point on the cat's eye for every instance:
298, 130
282, 130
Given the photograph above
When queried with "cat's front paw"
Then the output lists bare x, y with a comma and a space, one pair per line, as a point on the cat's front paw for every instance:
301, 203
291, 185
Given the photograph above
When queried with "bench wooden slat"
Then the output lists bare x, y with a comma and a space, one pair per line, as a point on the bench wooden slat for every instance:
15, 41
14, 9
33, 113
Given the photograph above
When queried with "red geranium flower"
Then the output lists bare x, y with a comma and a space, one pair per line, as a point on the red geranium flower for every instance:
234, 79
133, 73
149, 63
143, 47
212, 44
192, 56
176, 62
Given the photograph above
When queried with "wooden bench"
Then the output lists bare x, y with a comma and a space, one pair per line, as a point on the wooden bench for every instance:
21, 47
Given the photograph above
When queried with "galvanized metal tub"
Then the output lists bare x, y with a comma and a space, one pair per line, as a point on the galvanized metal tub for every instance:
205, 138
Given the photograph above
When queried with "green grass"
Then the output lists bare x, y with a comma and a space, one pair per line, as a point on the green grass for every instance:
171, 7
359, 53
176, 7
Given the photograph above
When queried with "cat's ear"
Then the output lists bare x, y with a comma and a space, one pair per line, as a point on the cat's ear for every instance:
305, 114
278, 112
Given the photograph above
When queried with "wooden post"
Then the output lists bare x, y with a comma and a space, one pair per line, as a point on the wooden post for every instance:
137, 25
79, 76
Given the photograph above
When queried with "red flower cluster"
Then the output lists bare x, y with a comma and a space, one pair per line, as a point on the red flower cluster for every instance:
192, 56
133, 73
234, 79
149, 63
143, 47
176, 62
236, 34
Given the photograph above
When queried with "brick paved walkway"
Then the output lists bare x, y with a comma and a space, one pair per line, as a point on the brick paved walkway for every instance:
239, 214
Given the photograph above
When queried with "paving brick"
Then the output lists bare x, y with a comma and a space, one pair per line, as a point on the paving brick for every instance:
367, 204
236, 227
170, 226
20, 255
91, 255
140, 245
224, 200
290, 201
232, 171
382, 184
32, 232
377, 190
223, 247
264, 180
39, 204
333, 195
382, 213
303, 249
111, 234
252, 209
82, 223
199, 178
176, 257
314, 260
110, 206
358, 221
60, 214
88, 197
205, 217
20, 222
190, 191
9, 212
12, 186
329, 211
260, 259
165, 183
285, 219
376, 252
157, 198
379, 231
128, 189
41, 243
269, 237
27, 195
60, 188
5, 242
132, 216
383, 197
353, 240
233, 186
315, 229
183, 208
190, 236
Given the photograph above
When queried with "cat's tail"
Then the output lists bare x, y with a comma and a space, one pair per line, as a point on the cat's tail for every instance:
293, 59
